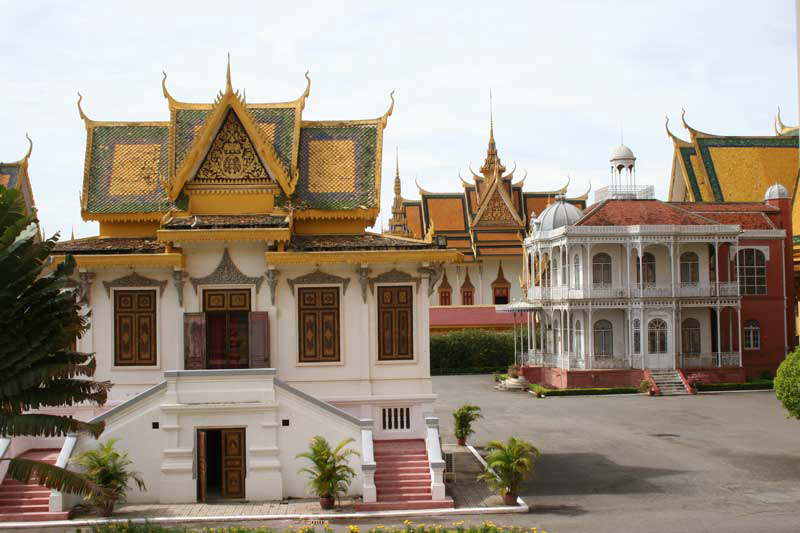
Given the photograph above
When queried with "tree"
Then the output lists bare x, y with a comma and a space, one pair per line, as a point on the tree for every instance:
507, 466
108, 468
330, 472
787, 383
40, 319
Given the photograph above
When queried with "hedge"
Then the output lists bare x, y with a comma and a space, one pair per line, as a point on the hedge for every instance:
472, 351
324, 527
759, 384
544, 391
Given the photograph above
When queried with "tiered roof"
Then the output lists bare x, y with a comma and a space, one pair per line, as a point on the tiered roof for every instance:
142, 170
487, 218
14, 175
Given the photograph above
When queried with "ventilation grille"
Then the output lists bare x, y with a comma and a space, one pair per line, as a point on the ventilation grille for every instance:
396, 418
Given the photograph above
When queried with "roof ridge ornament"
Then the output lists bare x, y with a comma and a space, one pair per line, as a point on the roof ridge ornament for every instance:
164, 89
228, 83
671, 135
30, 147
691, 129
80, 109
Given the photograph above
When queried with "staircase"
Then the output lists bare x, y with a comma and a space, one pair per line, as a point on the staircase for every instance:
402, 477
20, 502
669, 382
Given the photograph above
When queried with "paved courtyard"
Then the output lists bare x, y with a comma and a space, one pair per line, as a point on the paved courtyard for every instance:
714, 462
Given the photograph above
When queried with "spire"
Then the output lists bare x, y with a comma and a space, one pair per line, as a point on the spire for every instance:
228, 84
397, 224
492, 166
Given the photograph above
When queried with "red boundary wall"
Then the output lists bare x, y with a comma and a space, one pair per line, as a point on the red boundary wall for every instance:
559, 378
715, 375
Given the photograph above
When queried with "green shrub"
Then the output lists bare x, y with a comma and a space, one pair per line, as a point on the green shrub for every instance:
473, 351
544, 391
758, 384
787, 383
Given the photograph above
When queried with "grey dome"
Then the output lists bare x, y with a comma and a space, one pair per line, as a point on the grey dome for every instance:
558, 214
622, 152
775, 191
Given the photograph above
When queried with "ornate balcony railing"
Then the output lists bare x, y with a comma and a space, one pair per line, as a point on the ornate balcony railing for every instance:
684, 290
710, 360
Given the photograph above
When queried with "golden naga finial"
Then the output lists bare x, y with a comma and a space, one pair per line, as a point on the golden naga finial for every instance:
585, 196
563, 190
80, 109
391, 106
780, 123
691, 129
308, 85
164, 87
491, 119
30, 146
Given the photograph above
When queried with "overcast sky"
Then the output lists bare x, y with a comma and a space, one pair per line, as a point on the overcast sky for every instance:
567, 78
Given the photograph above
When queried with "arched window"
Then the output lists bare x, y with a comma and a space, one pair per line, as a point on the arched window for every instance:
467, 291
557, 336
576, 271
445, 291
752, 335
546, 270
535, 273
690, 268
690, 335
500, 288
657, 336
603, 338
752, 271
564, 274
601, 270
649, 267
637, 336
578, 338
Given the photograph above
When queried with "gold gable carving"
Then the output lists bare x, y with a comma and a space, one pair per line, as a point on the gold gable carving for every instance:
496, 211
232, 156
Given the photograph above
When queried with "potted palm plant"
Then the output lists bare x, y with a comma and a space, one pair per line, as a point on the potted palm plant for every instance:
463, 417
507, 466
330, 472
108, 468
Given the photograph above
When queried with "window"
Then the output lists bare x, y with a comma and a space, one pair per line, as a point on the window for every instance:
752, 335
395, 323
576, 271
657, 336
546, 270
690, 335
690, 268
752, 272
564, 275
396, 418
227, 328
557, 336
467, 291
649, 266
601, 270
445, 291
603, 338
318, 310
578, 338
500, 287
637, 336
135, 328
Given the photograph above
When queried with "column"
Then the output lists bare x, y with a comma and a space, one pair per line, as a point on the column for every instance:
719, 334
590, 335
628, 269
672, 265
568, 331
716, 270
589, 273
739, 335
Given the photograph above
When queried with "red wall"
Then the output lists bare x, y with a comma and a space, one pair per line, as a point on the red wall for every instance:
715, 375
558, 378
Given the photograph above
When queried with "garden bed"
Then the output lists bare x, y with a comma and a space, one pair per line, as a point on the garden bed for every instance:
758, 384
598, 391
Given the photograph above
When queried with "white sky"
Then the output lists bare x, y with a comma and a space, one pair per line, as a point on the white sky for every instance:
566, 77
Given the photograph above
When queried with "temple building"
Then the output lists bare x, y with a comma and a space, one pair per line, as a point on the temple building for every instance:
240, 307
15, 176
728, 168
486, 223
633, 287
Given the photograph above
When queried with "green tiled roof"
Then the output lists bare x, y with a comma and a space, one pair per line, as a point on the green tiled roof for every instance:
332, 175
12, 170
126, 168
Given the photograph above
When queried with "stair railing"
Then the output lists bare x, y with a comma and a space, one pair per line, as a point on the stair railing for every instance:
437, 464
368, 467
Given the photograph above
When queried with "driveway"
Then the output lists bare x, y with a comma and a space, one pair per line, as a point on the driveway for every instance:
711, 462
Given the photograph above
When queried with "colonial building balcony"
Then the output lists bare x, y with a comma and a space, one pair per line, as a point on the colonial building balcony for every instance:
682, 290
573, 361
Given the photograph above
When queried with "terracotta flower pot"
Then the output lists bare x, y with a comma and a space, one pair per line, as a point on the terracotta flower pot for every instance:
326, 502
461, 441
510, 499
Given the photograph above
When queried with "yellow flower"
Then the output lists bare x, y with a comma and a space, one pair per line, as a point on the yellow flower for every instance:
353, 529
407, 523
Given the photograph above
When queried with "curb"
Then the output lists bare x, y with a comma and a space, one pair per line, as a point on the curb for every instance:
522, 508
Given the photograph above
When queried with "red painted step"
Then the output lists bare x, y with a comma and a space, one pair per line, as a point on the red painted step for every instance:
406, 505
29, 502
33, 517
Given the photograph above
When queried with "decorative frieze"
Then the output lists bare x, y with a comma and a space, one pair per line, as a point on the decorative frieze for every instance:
318, 277
227, 273
134, 279
393, 276
363, 279
84, 285
434, 272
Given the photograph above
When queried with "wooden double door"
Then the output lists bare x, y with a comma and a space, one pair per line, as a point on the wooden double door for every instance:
220, 464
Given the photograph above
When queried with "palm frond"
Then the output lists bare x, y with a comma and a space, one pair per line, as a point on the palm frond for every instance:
44, 425
50, 476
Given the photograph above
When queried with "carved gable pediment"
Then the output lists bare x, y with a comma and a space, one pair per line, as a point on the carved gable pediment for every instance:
232, 157
496, 208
